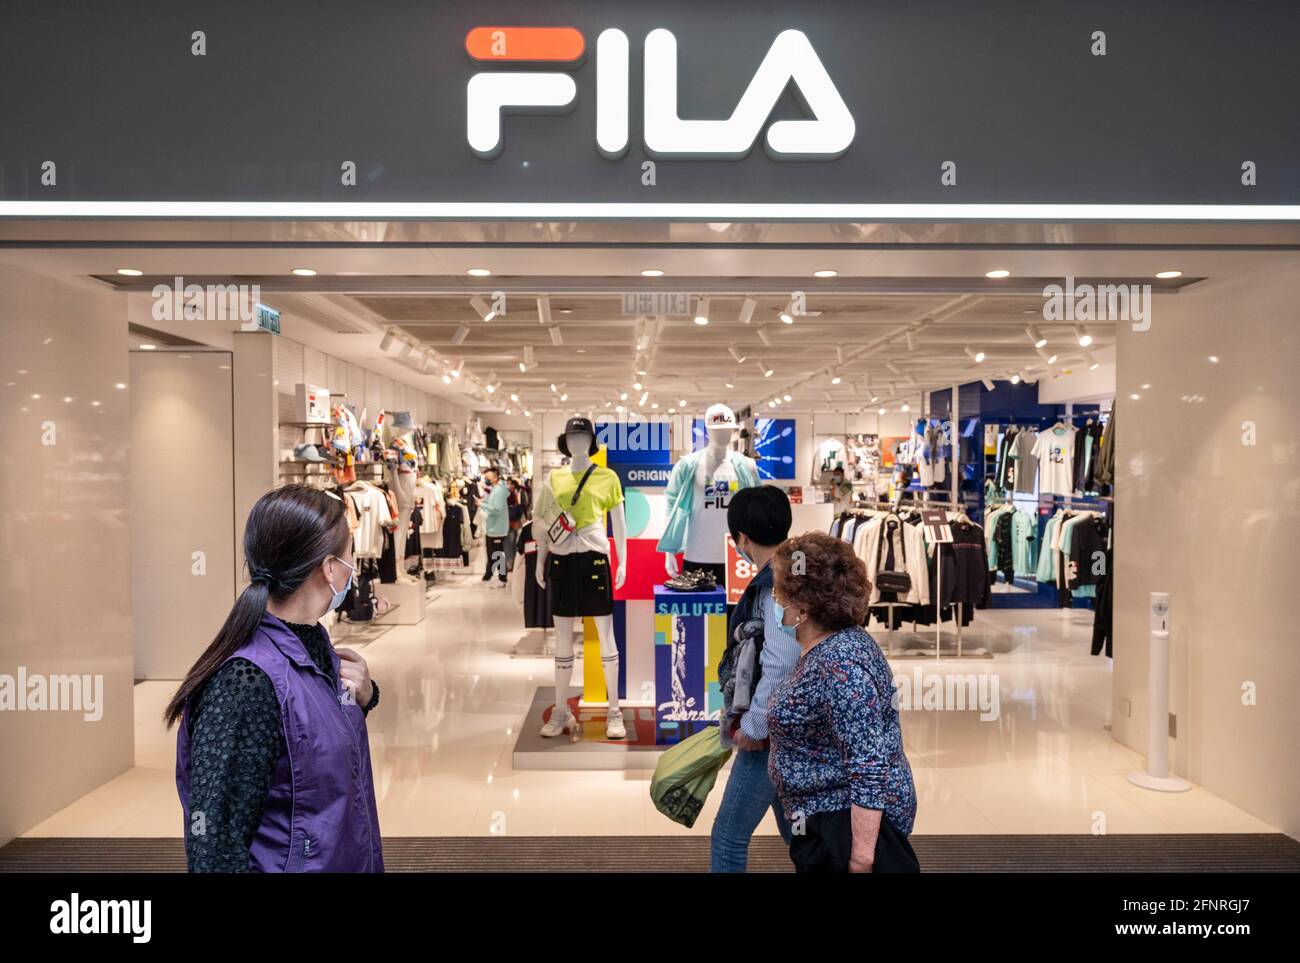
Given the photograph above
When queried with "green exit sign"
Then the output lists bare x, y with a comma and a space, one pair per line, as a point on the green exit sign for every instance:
267, 317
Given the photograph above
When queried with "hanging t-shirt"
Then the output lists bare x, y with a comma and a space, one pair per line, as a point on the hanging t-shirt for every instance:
1024, 460
1054, 450
706, 539
828, 456
602, 492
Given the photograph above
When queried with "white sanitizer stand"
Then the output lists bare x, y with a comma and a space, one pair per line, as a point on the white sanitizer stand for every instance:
1157, 775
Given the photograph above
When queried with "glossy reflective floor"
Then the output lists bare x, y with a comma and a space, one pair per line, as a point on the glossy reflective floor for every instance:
455, 687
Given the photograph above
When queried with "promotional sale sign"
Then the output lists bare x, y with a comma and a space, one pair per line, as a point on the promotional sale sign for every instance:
739, 573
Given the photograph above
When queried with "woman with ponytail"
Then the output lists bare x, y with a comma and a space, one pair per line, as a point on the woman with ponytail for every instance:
272, 755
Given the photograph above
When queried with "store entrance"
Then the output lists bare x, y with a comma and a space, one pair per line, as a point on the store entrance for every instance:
916, 393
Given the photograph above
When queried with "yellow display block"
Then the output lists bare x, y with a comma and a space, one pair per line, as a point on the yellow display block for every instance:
593, 676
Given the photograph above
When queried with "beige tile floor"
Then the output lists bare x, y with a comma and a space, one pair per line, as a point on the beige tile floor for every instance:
455, 688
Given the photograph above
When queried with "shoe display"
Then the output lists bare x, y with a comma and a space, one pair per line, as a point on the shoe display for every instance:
696, 580
559, 724
614, 728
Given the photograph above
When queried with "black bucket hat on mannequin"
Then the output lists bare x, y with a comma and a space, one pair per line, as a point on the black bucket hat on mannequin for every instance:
577, 426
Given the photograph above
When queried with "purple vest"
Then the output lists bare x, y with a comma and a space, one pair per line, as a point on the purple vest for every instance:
320, 813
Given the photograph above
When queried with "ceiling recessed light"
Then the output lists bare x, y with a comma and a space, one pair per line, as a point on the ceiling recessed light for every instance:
479, 272
148, 347
1166, 275
652, 273
1214, 359
129, 272
728, 385
304, 272
825, 273
905, 408
999, 273
1146, 387
682, 402
1135, 397
119, 386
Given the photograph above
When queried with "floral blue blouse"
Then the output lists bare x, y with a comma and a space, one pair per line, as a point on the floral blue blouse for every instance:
835, 733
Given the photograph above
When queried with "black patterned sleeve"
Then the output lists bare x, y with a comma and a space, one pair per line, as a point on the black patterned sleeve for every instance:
236, 740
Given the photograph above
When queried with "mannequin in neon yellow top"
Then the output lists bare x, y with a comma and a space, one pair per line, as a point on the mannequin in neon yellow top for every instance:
589, 521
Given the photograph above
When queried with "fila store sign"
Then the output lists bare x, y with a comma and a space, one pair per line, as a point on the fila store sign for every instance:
790, 61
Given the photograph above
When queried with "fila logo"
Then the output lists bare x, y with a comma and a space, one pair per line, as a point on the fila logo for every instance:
790, 59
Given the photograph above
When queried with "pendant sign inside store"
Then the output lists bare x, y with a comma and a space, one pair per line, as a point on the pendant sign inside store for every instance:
791, 60
723, 112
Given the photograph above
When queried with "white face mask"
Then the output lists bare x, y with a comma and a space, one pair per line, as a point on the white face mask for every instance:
340, 594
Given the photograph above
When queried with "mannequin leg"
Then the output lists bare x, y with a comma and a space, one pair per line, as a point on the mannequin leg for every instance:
614, 725
563, 673
608, 658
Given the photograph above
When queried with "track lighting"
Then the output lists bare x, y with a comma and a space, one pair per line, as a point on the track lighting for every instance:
1082, 336
564, 396
461, 334
879, 411
1015, 378
747, 308
407, 348
682, 402
787, 398
1093, 363
479, 305
771, 404
740, 358
702, 311
544, 309
514, 397
767, 372
386, 341
644, 396
976, 356
828, 396
446, 379
622, 396
905, 408
787, 313
836, 379
911, 340
557, 337
1035, 336
1047, 356
636, 386
764, 336
988, 384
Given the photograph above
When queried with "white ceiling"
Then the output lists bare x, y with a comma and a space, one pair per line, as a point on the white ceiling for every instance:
856, 328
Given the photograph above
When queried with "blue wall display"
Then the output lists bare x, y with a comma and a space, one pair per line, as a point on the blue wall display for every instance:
638, 451
774, 450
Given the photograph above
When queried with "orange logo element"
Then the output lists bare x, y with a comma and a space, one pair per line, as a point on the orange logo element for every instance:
528, 44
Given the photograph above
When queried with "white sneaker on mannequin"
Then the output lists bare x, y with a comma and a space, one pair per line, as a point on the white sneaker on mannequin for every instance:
559, 723
614, 728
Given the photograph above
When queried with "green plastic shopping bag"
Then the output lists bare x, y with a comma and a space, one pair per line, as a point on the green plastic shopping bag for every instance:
686, 773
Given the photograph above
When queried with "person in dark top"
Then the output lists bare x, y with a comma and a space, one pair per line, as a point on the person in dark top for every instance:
273, 761
837, 757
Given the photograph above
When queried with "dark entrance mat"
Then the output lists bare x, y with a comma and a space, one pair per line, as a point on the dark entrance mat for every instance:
1184, 853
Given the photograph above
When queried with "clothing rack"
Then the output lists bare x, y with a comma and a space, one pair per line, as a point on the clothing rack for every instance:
957, 607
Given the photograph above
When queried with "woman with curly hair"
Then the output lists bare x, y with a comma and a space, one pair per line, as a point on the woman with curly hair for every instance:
837, 749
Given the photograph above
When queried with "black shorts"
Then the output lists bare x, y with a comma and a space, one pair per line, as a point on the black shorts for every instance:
580, 584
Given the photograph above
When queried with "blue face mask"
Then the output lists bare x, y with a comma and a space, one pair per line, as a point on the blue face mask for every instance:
342, 593
779, 611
